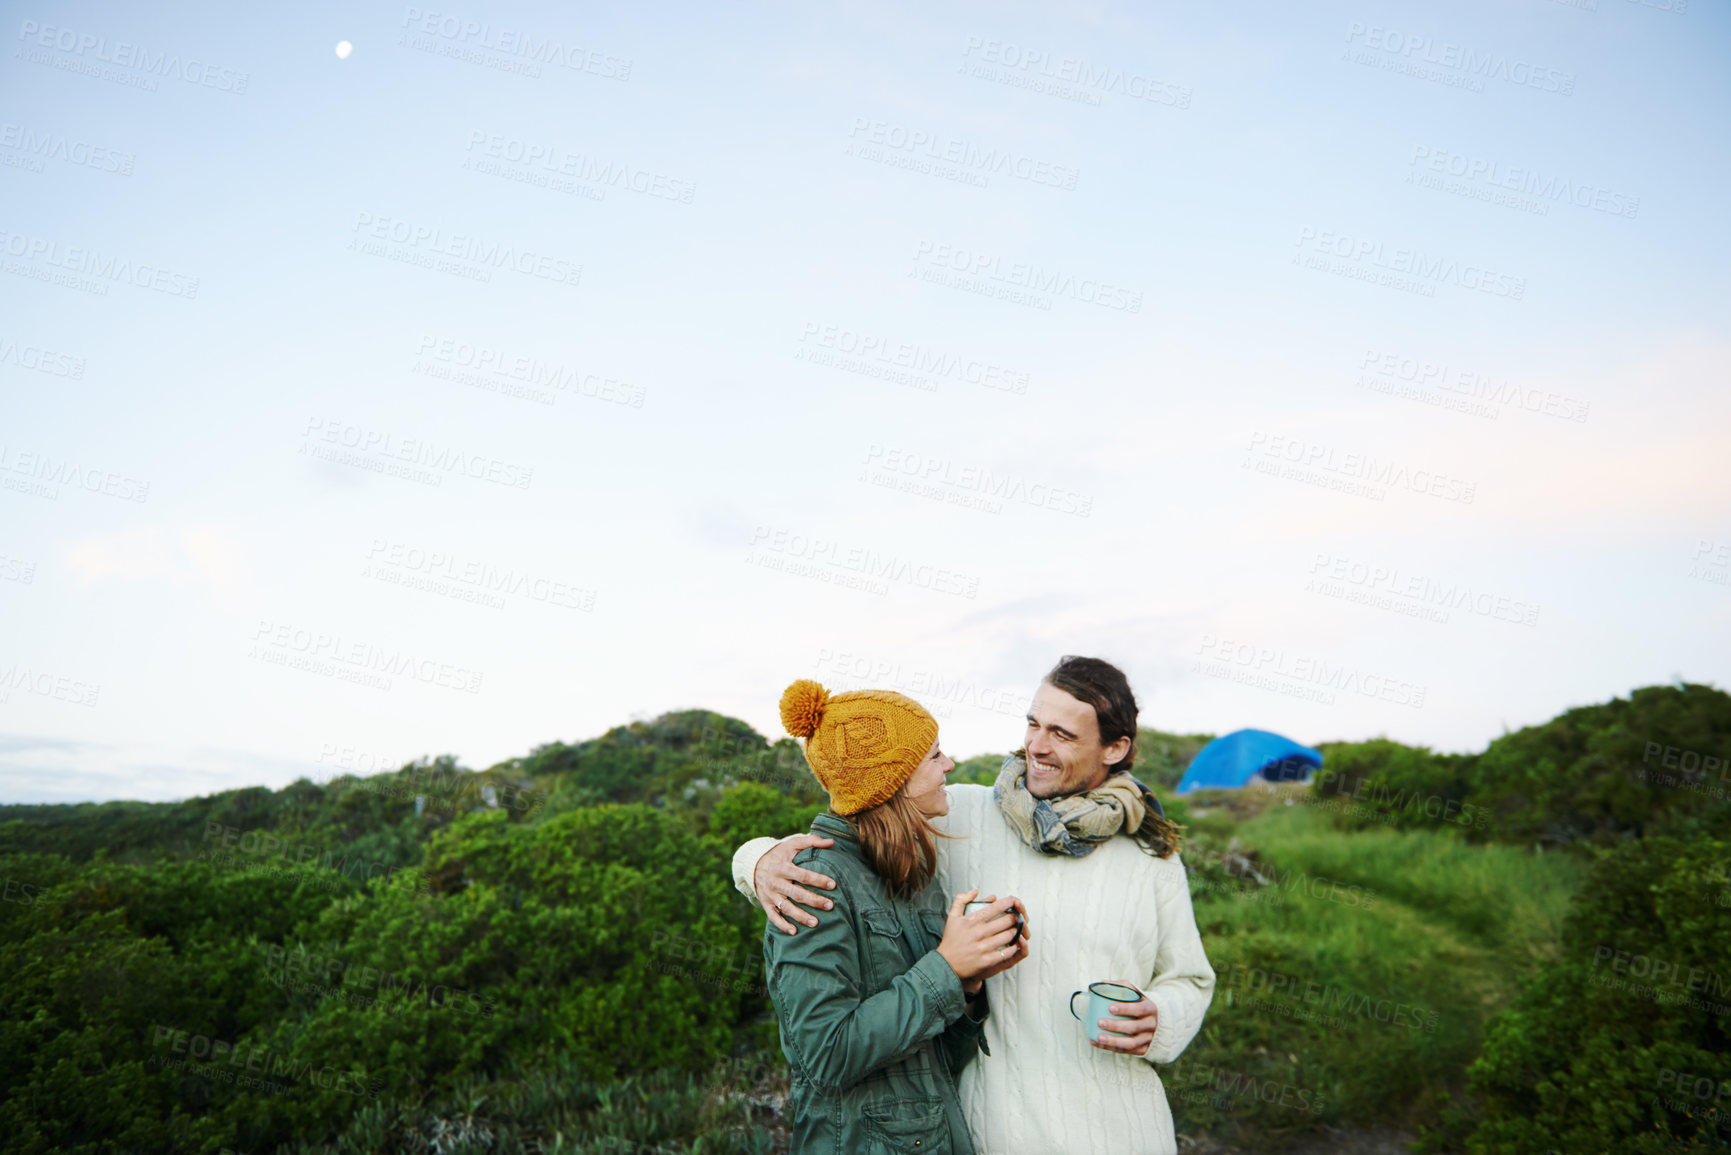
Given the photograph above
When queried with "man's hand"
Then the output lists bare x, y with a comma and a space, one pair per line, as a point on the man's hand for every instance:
1132, 1037
777, 882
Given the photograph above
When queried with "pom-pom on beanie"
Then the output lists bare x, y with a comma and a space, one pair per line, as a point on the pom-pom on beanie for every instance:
863, 745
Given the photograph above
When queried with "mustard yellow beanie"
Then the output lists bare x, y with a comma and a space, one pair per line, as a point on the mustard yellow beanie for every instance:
862, 745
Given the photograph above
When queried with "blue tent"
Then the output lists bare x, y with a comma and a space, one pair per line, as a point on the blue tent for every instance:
1227, 763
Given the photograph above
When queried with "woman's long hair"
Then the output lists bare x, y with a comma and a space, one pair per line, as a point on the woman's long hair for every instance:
897, 839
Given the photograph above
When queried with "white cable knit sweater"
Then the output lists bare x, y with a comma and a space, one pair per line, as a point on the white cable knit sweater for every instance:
1118, 913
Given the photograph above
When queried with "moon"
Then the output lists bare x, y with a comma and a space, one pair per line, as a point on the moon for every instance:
343, 49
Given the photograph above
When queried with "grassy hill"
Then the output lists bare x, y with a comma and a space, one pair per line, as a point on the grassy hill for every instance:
439, 959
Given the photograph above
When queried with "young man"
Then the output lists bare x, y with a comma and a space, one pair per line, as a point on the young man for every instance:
1095, 864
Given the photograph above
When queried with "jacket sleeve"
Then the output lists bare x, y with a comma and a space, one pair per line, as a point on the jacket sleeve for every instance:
831, 1034
745, 866
966, 1037
1182, 983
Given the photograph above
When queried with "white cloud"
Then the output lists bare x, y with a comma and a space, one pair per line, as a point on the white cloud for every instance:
193, 555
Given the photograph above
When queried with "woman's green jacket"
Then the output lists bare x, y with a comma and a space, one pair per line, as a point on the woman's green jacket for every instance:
871, 1015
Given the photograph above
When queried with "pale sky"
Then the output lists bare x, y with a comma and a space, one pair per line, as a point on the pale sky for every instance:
1338, 369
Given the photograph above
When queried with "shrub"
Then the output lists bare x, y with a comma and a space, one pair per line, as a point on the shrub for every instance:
1607, 1052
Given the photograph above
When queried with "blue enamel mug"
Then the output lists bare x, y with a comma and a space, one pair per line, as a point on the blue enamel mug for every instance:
1101, 996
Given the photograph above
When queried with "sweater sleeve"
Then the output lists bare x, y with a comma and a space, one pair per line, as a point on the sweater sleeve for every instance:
830, 1033
745, 865
1182, 984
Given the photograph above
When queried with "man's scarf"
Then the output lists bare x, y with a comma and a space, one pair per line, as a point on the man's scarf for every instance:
1076, 823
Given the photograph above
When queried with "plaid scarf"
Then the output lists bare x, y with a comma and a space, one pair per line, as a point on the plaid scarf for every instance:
1075, 824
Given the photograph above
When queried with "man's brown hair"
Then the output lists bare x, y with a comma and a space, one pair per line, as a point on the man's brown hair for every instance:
1104, 687
897, 839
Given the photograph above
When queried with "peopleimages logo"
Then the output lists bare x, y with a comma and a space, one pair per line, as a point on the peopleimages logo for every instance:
919, 149
40, 146
46, 685
462, 34
1419, 590
1020, 275
861, 567
973, 479
351, 660
472, 363
875, 354
78, 259
556, 161
324, 975
382, 451
1327, 997
1465, 63
850, 670
1690, 762
1522, 179
79, 48
41, 359
1279, 455
1330, 790
1406, 263
425, 242
1274, 662
474, 576
1470, 384
259, 1066
45, 469
1665, 980
16, 569
1070, 76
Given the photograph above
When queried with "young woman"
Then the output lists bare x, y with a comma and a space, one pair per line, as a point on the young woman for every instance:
882, 1003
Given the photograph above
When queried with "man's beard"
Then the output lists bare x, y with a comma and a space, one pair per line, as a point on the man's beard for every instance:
1058, 784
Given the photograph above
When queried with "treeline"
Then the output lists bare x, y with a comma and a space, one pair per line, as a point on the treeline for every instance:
1658, 762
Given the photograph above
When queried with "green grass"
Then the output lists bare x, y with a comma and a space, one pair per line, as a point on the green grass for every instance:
1358, 983
1504, 896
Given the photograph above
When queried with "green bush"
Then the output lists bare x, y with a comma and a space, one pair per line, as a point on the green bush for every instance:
1658, 762
607, 938
1608, 1051
112, 967
610, 935
1601, 773
750, 810
1386, 784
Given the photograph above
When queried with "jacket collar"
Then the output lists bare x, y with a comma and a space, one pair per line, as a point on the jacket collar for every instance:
831, 826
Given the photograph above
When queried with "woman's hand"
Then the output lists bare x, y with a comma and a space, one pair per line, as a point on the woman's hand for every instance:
1019, 948
982, 944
